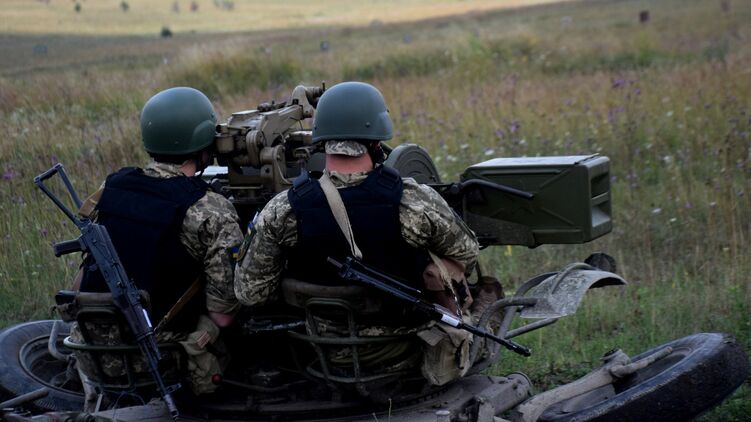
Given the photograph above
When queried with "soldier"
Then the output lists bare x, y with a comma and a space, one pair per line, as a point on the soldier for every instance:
172, 233
396, 222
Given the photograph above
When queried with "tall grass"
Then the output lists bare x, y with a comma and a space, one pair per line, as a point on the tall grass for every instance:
667, 101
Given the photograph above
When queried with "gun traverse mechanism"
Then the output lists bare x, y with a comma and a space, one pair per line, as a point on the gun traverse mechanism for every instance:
96, 241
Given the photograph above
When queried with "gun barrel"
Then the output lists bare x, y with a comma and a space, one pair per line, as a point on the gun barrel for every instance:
314, 92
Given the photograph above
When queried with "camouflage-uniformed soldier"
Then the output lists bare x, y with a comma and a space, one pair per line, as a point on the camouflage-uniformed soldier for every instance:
171, 232
396, 222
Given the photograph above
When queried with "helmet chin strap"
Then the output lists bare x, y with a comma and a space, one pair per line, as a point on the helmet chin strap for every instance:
203, 159
376, 153
199, 166
196, 164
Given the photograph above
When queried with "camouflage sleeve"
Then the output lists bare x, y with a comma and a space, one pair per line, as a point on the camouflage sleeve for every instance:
428, 222
257, 276
210, 230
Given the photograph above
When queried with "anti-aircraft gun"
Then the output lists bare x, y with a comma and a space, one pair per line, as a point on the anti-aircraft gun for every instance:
507, 201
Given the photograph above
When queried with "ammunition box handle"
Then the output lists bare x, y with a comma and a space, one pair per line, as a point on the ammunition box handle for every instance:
460, 187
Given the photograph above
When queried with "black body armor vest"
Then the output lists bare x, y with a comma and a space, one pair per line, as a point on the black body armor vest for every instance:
144, 216
373, 210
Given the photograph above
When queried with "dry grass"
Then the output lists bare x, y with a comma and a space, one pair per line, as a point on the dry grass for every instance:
149, 16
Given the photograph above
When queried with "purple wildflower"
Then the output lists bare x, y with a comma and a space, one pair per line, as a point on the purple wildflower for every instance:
9, 174
515, 126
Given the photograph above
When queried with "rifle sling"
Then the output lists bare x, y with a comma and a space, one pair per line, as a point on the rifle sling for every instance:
340, 213
184, 299
89, 205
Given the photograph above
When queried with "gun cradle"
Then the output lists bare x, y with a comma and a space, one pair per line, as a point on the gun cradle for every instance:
265, 148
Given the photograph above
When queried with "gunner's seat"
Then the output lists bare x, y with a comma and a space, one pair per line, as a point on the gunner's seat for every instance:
360, 339
104, 346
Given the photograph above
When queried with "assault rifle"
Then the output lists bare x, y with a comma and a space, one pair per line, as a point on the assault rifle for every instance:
355, 271
96, 241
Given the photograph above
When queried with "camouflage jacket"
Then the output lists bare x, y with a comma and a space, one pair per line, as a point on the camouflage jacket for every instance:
210, 230
427, 222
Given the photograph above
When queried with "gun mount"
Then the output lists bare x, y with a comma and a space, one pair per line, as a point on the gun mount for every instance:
265, 148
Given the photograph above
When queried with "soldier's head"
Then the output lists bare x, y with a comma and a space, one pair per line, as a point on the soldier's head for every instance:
178, 125
352, 119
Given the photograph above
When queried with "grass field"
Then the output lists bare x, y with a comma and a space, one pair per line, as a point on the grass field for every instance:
129, 17
668, 101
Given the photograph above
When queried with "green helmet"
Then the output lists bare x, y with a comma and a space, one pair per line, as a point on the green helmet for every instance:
352, 111
177, 121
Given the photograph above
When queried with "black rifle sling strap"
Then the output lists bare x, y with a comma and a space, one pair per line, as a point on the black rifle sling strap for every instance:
175, 309
340, 213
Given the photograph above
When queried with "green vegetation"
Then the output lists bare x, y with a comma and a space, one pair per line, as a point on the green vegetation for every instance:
668, 101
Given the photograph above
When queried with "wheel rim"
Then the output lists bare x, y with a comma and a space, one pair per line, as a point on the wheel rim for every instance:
40, 365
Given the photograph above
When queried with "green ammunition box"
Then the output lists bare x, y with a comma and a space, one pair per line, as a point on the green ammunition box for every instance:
571, 201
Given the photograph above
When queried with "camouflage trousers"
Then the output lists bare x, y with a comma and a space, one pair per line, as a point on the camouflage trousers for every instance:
205, 352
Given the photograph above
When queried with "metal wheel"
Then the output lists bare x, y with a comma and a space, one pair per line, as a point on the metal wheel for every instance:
26, 365
413, 161
701, 372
